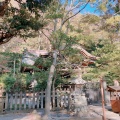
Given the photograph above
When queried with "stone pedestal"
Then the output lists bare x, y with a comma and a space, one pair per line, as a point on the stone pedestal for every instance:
79, 102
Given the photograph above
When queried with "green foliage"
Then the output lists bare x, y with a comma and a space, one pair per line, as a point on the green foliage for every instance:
20, 83
9, 82
92, 0
103, 7
117, 8
23, 22
2, 78
72, 28
11, 55
54, 16
110, 77
75, 58
62, 41
89, 77
112, 24
26, 20
41, 4
79, 30
107, 64
55, 10
88, 42
9, 58
60, 80
41, 78
91, 19
43, 62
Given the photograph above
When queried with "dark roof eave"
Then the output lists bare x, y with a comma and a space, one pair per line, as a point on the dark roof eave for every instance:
113, 88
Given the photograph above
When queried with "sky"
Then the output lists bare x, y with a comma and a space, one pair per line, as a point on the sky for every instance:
90, 9
93, 10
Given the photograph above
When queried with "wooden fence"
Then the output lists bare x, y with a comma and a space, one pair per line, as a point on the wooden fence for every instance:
36, 100
31, 100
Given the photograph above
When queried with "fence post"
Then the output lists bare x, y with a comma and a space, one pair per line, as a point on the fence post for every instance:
11, 101
6, 101
65, 101
42, 99
38, 97
16, 96
20, 104
57, 99
1, 99
33, 102
19, 101
69, 101
29, 100
25, 100
62, 101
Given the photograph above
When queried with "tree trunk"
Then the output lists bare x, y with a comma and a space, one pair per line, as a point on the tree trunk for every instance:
119, 4
14, 68
48, 89
53, 92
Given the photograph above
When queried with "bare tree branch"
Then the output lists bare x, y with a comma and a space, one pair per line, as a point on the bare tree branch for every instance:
72, 8
46, 36
75, 13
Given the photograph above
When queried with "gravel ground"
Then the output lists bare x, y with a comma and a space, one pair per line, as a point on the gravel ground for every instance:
94, 113
12, 116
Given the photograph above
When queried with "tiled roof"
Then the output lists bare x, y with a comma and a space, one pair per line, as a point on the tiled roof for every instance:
113, 88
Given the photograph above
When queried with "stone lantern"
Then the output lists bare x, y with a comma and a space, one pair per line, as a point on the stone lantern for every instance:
77, 96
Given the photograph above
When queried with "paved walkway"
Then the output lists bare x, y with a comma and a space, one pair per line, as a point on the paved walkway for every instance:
108, 111
95, 113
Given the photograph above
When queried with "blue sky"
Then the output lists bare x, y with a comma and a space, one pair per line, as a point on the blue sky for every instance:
90, 9
93, 10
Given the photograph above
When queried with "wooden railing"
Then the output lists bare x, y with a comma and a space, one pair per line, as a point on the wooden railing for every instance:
32, 100
19, 101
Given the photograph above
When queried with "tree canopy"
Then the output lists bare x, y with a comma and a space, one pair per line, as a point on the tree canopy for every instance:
72, 38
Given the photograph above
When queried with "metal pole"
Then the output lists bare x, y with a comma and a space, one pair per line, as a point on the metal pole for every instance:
103, 100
